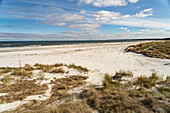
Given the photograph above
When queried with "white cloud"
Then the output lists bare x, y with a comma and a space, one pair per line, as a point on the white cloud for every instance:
141, 22
74, 35
145, 13
70, 32
123, 28
140, 6
104, 3
84, 26
148, 31
87, 30
62, 19
55, 23
82, 12
133, 1
107, 16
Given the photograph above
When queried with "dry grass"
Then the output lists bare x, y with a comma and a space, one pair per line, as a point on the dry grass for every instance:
148, 82
5, 80
50, 68
159, 49
58, 70
44, 67
28, 67
118, 100
124, 73
109, 83
21, 90
59, 64
80, 68
68, 107
22, 73
67, 83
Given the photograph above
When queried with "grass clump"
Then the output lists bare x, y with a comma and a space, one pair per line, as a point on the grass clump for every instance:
22, 72
58, 70
80, 68
5, 79
109, 83
58, 64
157, 49
148, 82
28, 67
124, 73
44, 67
145, 82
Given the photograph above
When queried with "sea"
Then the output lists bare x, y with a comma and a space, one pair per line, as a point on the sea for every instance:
8, 44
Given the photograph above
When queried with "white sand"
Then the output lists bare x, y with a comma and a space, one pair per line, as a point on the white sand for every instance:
103, 57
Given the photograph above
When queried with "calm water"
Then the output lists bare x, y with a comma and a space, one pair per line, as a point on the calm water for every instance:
5, 44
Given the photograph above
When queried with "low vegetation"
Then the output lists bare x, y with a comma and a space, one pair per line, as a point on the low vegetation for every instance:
67, 107
65, 84
58, 70
141, 95
22, 73
21, 90
148, 82
157, 49
115, 99
80, 68
122, 73
5, 79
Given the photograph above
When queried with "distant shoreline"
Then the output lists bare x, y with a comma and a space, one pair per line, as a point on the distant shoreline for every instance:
8, 44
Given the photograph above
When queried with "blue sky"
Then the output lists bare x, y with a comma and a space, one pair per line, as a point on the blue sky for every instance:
84, 19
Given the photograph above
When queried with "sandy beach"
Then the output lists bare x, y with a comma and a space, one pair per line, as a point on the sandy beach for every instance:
102, 57
98, 58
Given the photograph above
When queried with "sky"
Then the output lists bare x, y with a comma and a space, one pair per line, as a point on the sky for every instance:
84, 19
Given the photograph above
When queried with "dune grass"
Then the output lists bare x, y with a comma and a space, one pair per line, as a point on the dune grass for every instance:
148, 82
22, 73
113, 99
157, 49
80, 68
58, 70
124, 73
5, 80
67, 107
21, 90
